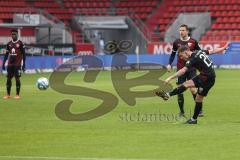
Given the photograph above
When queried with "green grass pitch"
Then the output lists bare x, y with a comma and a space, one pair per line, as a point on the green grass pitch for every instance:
29, 128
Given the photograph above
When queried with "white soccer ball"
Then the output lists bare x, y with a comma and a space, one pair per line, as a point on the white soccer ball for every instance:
42, 83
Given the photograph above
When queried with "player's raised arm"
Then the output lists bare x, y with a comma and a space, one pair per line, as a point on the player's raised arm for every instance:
219, 50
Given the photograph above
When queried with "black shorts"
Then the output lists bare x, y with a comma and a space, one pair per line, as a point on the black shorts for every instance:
187, 76
13, 71
203, 83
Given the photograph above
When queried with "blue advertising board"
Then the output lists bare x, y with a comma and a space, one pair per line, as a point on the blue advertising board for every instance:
231, 57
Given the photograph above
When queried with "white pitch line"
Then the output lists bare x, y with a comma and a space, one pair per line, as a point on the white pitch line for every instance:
64, 158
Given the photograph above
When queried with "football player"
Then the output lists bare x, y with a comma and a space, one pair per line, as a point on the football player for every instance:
15, 54
184, 39
203, 82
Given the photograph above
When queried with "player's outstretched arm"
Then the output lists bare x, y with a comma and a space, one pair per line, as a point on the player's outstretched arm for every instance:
219, 50
177, 74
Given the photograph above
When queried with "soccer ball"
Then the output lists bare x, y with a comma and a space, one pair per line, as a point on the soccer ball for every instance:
42, 83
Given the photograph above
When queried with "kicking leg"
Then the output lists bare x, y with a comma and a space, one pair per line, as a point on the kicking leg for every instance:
178, 90
182, 88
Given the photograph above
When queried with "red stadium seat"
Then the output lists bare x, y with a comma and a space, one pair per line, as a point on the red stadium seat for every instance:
225, 13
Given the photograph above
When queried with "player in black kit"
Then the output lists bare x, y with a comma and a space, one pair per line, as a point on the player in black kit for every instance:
203, 82
15, 54
193, 45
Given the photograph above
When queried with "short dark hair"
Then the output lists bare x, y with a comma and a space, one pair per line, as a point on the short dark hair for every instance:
183, 48
186, 26
14, 31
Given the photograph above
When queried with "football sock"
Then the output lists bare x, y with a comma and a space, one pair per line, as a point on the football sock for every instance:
194, 97
197, 109
178, 90
181, 102
18, 86
9, 85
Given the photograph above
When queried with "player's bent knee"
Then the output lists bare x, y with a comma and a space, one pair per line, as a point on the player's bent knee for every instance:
199, 98
193, 90
17, 77
189, 84
9, 77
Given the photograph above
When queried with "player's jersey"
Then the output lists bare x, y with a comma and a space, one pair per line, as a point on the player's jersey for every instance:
201, 61
193, 45
15, 49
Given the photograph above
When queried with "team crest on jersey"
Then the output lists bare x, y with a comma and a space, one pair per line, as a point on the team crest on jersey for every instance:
17, 45
189, 44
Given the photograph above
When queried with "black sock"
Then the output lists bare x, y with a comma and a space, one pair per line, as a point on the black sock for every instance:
9, 85
197, 109
181, 102
194, 96
18, 86
178, 90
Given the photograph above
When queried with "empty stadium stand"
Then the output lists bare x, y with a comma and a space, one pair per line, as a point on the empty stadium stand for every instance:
158, 15
65, 10
224, 13
8, 8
